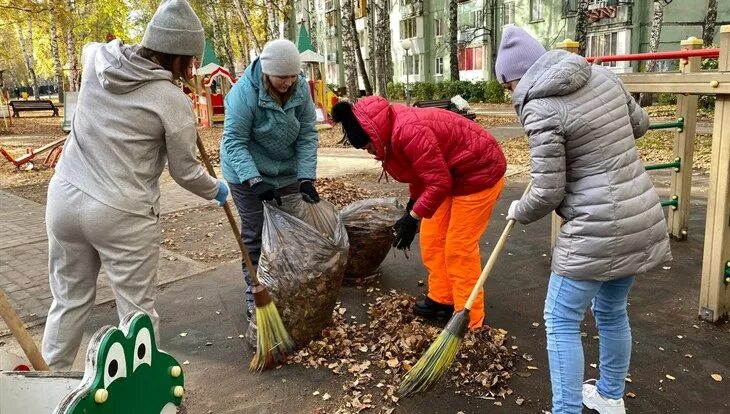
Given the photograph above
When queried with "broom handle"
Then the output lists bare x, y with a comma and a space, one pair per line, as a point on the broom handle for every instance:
493, 257
12, 320
231, 218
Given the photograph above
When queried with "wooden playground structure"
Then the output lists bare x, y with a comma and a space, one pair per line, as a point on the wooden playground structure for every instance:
687, 84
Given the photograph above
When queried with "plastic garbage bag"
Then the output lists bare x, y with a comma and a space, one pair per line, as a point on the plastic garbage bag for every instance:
303, 257
369, 225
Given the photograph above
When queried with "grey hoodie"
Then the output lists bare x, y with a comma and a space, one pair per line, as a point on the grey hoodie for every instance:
130, 118
582, 126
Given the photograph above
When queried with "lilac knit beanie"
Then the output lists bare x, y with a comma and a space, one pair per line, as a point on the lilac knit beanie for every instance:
517, 52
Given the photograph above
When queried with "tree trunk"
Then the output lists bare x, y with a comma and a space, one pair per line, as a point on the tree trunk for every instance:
57, 66
312, 20
656, 34
453, 39
272, 21
26, 48
708, 30
286, 19
382, 46
243, 15
221, 37
242, 44
581, 27
388, 53
349, 44
71, 56
371, 46
358, 53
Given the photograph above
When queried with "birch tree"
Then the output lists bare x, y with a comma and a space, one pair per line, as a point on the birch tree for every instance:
349, 44
453, 39
26, 48
708, 28
581, 27
55, 53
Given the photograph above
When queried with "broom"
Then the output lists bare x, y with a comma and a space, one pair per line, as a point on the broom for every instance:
273, 342
441, 354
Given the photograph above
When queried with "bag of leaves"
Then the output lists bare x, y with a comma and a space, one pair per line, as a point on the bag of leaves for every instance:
369, 225
303, 256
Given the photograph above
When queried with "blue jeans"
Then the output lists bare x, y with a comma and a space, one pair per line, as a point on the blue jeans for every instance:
565, 305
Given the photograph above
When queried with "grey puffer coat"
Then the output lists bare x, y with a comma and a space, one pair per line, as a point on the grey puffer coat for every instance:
582, 126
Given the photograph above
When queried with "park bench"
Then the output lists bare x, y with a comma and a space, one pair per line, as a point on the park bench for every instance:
447, 105
40, 105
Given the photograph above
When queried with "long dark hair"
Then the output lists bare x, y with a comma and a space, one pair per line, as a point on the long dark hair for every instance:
177, 64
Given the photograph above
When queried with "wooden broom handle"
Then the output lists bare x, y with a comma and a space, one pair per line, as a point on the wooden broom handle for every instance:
21, 334
229, 214
493, 257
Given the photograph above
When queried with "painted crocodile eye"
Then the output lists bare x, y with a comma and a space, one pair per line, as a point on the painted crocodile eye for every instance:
142, 349
116, 364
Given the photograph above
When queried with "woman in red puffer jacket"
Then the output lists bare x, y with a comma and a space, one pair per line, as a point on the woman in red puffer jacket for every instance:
455, 171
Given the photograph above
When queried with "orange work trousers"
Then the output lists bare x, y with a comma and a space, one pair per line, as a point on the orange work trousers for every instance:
450, 249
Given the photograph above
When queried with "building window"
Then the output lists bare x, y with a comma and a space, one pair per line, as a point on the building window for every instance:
439, 66
361, 8
329, 5
536, 10
508, 13
438, 27
470, 58
412, 64
570, 8
332, 23
602, 44
408, 28
477, 17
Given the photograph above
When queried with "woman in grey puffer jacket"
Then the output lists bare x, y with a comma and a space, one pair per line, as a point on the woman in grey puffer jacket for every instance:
582, 125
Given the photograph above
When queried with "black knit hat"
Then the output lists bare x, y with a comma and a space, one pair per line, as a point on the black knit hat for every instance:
342, 112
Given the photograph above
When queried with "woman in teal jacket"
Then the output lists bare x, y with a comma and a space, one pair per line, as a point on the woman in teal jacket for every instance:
269, 145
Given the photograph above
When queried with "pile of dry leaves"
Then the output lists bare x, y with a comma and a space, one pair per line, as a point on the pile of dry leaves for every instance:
375, 356
339, 192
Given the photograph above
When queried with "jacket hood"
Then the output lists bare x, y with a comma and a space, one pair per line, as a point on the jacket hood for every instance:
375, 115
556, 73
120, 70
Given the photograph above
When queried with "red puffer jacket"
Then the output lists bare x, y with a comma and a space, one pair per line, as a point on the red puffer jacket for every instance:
439, 153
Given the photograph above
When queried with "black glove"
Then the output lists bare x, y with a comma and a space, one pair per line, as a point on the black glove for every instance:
309, 193
266, 192
405, 231
410, 205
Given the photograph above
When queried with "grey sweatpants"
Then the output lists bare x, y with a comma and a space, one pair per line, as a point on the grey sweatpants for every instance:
251, 212
84, 234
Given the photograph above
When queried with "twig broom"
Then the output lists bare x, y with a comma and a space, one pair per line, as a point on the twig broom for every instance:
441, 354
273, 342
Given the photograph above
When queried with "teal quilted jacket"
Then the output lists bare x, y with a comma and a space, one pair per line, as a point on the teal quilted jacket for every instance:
262, 139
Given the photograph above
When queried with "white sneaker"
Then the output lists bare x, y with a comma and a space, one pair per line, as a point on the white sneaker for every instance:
595, 401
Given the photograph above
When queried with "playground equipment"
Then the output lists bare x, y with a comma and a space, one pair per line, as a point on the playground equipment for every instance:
208, 105
125, 373
687, 84
55, 148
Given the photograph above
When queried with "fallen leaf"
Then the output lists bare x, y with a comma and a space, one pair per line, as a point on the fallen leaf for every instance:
535, 324
183, 334
326, 396
186, 362
661, 349
519, 401
666, 267
532, 368
680, 336
716, 377
688, 355
669, 377
393, 362
594, 365
420, 282
316, 393
498, 403
629, 380
631, 395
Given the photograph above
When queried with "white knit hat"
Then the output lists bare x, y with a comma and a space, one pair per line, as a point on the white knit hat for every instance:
517, 52
175, 29
280, 58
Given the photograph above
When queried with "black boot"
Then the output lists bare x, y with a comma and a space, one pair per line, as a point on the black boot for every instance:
430, 309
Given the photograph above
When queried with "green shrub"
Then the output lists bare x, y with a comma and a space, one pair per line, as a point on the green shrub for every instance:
494, 92
396, 91
423, 91
667, 99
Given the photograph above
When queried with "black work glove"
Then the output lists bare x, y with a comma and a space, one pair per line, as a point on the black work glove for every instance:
410, 205
309, 193
266, 192
405, 231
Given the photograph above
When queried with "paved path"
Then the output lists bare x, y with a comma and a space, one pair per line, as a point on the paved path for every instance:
24, 254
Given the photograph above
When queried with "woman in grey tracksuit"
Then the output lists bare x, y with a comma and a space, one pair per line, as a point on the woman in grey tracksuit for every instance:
104, 200
582, 126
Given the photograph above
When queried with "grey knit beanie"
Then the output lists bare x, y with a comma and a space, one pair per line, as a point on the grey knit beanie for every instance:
175, 29
517, 53
280, 58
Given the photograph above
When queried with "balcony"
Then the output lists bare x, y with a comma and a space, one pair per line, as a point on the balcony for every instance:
471, 35
412, 10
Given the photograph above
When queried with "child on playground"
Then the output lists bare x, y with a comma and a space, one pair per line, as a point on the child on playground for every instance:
270, 141
455, 172
104, 200
582, 126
